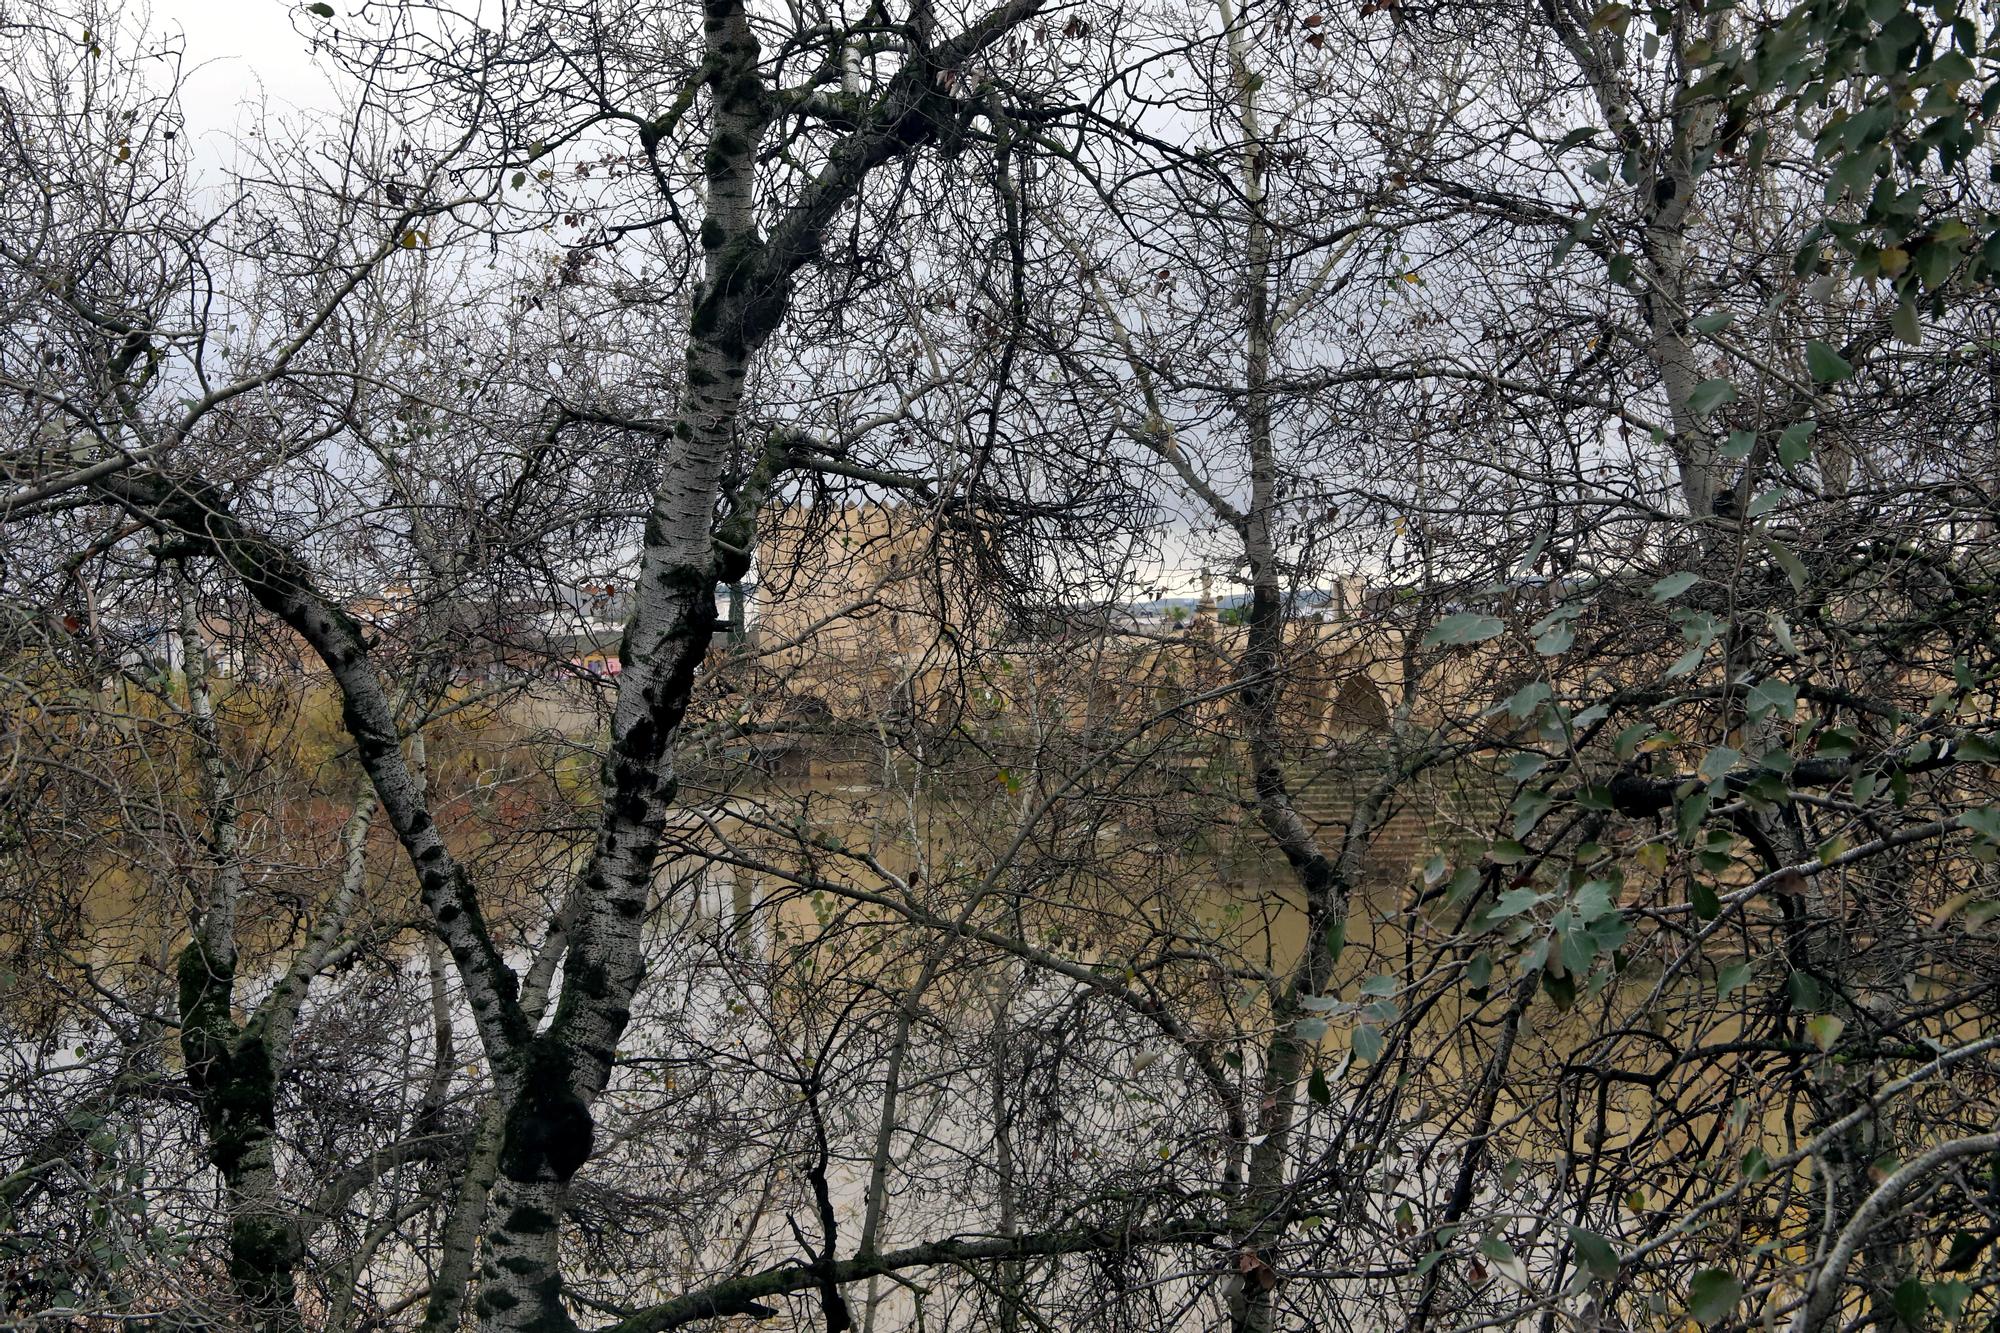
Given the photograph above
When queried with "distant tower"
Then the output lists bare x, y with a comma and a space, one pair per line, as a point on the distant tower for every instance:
1204, 610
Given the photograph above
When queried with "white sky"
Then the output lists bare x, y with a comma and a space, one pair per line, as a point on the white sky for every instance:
242, 54
249, 59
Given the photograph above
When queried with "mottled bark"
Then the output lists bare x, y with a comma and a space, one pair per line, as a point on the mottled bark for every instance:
234, 1068
549, 1079
231, 1068
281, 584
234, 1078
1664, 190
1820, 942
1012, 1284
1826, 1286
1260, 1210
1474, 1154
747, 1295
743, 296
465, 1223
458, 1239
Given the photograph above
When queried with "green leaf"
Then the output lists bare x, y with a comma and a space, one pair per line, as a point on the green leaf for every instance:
1912, 1300
1464, 627
1731, 979
1561, 989
1788, 560
1908, 329
1715, 321
1555, 640
1579, 950
1596, 1253
1687, 661
1978, 750
1934, 263
1707, 904
1709, 395
1673, 585
1984, 821
1316, 1087
1514, 902
1824, 1030
1712, 1295
1594, 900
1795, 445
1628, 740
1691, 811
1766, 696
1612, 18
1766, 502
1719, 761
1527, 699
1964, 1252
1826, 365
1532, 556
1950, 1297
1366, 1042
1804, 991
1479, 971
325, 11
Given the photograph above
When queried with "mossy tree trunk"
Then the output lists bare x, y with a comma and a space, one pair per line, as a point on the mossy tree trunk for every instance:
234, 1068
235, 1083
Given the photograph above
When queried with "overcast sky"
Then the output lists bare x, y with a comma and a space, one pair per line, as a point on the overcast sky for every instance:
246, 56
240, 54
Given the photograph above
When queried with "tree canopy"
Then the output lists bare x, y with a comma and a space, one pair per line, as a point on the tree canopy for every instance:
1020, 665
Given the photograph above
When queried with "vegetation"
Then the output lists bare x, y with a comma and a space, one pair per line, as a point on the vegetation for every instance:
590, 738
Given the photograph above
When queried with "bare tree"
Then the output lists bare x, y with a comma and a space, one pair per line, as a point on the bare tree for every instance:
1120, 666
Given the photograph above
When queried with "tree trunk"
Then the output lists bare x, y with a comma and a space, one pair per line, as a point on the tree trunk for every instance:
549, 1080
231, 1068
1254, 1288
1665, 191
235, 1083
